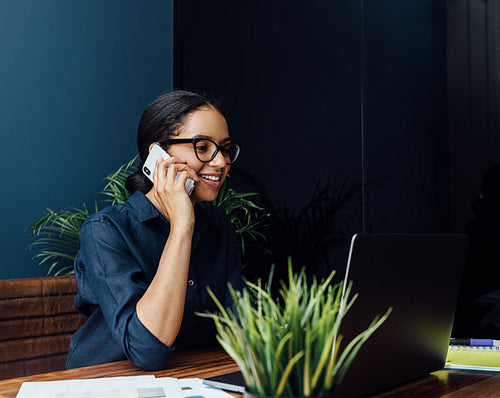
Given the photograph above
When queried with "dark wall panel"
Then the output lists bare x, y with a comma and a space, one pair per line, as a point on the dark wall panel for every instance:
289, 75
405, 117
473, 92
292, 74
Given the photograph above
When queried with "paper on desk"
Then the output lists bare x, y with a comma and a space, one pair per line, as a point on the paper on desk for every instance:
471, 367
109, 387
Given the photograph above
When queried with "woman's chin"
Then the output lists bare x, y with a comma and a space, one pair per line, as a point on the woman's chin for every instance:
203, 196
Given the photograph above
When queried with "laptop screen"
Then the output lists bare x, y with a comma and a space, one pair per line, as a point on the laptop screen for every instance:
419, 276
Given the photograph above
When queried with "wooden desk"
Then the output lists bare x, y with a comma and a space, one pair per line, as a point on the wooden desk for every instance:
211, 362
200, 363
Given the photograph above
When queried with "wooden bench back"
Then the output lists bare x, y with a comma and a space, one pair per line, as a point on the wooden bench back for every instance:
37, 320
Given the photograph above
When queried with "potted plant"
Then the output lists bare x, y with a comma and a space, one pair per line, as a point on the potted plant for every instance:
290, 346
57, 234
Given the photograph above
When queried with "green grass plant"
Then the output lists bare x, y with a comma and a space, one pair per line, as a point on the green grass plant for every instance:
290, 346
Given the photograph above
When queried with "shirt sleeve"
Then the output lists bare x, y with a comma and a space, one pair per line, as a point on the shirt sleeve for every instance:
116, 282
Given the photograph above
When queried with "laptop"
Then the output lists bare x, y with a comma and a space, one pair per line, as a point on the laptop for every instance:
419, 276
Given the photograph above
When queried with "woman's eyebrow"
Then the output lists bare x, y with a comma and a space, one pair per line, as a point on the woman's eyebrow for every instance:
207, 137
202, 136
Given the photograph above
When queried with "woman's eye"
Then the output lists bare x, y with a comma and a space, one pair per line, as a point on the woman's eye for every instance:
201, 148
226, 149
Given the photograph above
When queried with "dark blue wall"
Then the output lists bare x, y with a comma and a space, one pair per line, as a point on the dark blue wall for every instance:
74, 79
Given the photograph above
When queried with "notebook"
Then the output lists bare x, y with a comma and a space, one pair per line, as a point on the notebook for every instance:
473, 358
419, 276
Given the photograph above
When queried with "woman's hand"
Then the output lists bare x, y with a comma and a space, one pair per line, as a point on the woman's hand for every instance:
169, 194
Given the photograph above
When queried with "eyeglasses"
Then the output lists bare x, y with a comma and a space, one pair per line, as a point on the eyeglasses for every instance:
206, 150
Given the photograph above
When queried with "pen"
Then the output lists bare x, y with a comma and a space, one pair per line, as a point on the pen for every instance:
475, 342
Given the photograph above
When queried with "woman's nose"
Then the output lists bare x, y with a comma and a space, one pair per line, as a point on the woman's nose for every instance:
219, 160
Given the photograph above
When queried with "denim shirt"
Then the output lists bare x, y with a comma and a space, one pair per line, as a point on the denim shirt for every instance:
119, 254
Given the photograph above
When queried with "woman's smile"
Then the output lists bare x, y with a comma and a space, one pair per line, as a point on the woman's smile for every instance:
213, 180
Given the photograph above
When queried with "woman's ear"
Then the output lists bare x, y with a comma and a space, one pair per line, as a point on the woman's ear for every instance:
151, 146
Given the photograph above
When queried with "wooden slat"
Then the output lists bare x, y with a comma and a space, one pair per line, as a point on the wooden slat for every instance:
37, 287
31, 297
10, 371
67, 323
37, 320
36, 306
21, 308
21, 328
32, 327
48, 364
37, 347
15, 288
53, 286
53, 363
53, 305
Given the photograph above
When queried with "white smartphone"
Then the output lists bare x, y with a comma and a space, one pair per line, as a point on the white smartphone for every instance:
150, 164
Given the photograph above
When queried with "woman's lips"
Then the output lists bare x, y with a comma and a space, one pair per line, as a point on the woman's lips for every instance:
211, 180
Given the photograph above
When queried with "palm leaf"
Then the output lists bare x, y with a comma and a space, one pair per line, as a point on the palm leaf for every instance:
115, 187
57, 234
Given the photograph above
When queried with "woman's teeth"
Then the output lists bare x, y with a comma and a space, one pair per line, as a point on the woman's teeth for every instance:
211, 178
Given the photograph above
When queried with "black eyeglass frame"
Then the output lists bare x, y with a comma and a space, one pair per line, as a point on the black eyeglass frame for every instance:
195, 140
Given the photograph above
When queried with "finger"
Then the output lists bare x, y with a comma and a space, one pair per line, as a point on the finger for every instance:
159, 171
185, 169
173, 172
162, 165
175, 160
160, 162
185, 174
176, 170
179, 174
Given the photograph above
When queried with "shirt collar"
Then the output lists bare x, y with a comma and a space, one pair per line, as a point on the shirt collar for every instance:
145, 210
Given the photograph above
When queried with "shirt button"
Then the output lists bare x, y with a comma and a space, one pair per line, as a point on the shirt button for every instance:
190, 282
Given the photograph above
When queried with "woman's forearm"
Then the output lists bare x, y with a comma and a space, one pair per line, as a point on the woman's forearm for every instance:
161, 307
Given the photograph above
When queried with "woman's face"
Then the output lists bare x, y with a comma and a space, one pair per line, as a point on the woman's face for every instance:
208, 123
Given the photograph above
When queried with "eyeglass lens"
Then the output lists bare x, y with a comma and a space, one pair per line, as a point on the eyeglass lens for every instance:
206, 150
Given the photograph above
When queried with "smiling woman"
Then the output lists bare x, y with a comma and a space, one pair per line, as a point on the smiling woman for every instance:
203, 143
143, 266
